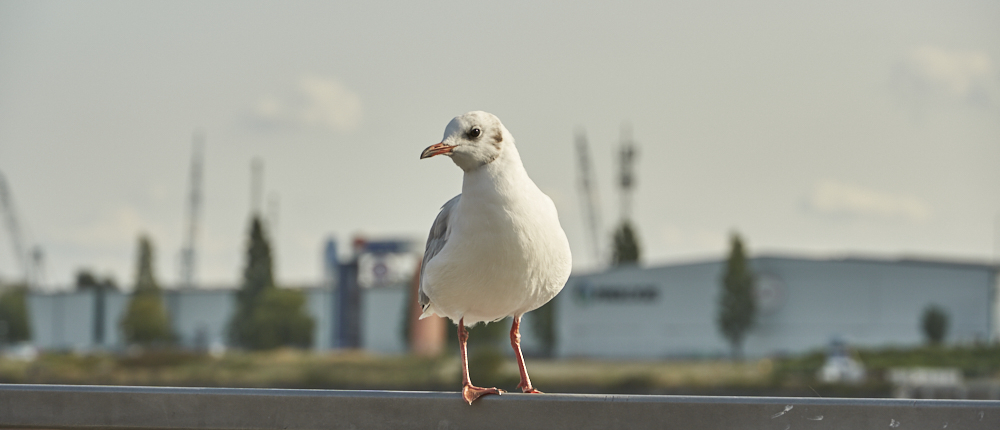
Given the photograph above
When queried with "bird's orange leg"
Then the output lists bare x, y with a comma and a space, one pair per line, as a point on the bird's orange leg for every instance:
469, 392
515, 342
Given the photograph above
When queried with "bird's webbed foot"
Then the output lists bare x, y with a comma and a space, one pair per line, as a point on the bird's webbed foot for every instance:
528, 389
471, 392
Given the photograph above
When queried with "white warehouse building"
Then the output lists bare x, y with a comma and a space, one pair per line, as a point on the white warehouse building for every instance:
671, 310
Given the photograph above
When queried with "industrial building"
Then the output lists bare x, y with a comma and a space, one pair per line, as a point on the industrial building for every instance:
628, 313
803, 304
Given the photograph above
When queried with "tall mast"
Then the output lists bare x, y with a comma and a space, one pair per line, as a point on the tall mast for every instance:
188, 252
626, 158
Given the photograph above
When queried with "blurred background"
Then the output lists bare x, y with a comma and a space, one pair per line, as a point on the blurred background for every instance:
761, 198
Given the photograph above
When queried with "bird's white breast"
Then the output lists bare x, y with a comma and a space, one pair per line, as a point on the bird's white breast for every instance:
506, 252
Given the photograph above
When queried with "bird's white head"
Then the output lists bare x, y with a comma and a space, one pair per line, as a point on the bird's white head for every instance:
472, 140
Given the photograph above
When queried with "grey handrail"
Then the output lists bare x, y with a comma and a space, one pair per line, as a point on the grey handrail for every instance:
115, 407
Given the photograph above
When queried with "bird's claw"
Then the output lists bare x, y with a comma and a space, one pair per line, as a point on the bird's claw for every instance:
528, 389
471, 392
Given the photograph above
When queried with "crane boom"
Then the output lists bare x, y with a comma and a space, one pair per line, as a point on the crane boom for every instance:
589, 193
14, 228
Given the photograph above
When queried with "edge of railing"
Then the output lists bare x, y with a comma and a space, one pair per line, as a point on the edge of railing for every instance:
118, 407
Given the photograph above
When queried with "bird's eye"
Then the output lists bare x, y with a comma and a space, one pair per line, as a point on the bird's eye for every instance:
475, 132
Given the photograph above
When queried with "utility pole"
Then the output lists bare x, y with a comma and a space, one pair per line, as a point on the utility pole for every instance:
37, 268
626, 157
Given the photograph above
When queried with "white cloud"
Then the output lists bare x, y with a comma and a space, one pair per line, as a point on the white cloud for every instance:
933, 74
317, 101
835, 198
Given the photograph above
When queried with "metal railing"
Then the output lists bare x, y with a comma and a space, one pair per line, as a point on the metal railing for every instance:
113, 407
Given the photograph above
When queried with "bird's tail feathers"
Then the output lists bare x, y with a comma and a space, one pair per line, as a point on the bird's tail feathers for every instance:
427, 311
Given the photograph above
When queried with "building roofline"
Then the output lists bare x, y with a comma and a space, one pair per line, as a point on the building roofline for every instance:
909, 260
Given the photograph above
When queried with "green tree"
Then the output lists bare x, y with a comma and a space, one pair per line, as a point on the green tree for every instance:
86, 280
14, 325
543, 326
266, 316
737, 304
146, 321
280, 320
935, 324
626, 245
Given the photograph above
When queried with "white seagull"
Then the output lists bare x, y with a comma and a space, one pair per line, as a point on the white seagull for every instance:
496, 250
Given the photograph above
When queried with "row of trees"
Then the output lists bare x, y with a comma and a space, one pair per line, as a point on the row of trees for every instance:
266, 316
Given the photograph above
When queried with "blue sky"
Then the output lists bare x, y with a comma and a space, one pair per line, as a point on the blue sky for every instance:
858, 127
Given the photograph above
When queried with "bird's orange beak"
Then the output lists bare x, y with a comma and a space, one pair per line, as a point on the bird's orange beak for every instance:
436, 149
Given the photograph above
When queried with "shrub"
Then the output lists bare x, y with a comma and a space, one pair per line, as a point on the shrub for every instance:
146, 321
935, 324
280, 319
14, 315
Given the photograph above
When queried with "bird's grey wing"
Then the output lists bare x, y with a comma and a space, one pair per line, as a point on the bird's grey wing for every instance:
435, 241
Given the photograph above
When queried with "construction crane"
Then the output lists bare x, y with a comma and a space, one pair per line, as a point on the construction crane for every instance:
589, 200
188, 252
14, 228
